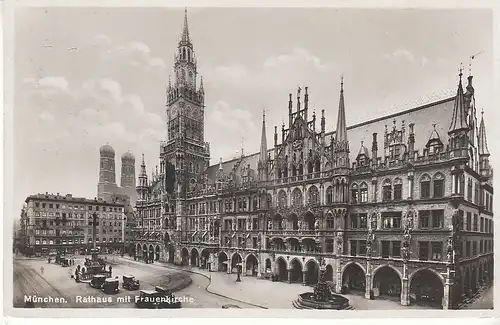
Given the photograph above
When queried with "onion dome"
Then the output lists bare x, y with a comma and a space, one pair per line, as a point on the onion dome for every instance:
107, 150
127, 156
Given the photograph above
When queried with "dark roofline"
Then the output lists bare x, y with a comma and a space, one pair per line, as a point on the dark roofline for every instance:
378, 119
65, 198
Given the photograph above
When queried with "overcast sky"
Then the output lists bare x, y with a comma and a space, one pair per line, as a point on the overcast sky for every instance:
85, 77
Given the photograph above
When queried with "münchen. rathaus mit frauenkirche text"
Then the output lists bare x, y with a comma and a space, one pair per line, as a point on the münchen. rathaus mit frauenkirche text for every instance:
410, 211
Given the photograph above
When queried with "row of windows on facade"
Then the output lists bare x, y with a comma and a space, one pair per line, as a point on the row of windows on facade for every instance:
427, 219
297, 170
50, 223
70, 215
76, 241
104, 231
432, 250
76, 207
52, 232
241, 242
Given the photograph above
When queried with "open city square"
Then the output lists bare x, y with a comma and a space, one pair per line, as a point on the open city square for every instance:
391, 212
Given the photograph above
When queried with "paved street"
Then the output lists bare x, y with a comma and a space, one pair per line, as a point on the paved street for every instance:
208, 289
485, 301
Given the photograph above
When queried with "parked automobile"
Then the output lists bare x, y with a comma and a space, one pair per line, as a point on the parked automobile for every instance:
97, 281
130, 283
111, 286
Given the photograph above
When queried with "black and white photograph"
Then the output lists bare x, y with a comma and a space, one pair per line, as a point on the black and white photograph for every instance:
289, 158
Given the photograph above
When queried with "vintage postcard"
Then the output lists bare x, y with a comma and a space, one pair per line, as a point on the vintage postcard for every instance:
263, 158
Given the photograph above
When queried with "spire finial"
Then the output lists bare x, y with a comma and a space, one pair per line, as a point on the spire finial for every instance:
185, 31
342, 82
460, 70
263, 114
482, 112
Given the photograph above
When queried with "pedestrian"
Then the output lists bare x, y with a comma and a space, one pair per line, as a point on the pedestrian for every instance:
41, 269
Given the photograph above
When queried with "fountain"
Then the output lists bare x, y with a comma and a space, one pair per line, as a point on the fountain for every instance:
322, 297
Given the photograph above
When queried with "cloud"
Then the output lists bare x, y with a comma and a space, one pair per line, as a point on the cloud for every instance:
401, 53
298, 56
59, 83
274, 72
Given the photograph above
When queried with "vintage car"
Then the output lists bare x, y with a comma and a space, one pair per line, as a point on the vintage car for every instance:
169, 299
154, 299
130, 283
64, 261
111, 286
97, 281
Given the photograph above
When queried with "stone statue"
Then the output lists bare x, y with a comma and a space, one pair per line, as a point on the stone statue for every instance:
283, 224
269, 225
316, 224
373, 220
300, 224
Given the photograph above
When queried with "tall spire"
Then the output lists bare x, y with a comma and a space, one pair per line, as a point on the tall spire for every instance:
483, 144
185, 30
459, 118
341, 132
263, 140
143, 168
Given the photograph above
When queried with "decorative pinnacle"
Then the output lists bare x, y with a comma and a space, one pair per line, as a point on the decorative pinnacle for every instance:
460, 70
342, 82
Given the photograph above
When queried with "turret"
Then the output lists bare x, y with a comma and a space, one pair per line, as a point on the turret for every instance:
290, 105
341, 144
374, 149
142, 187
262, 169
459, 127
484, 153
306, 104
128, 170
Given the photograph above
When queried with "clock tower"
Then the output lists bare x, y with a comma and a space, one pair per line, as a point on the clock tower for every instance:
185, 148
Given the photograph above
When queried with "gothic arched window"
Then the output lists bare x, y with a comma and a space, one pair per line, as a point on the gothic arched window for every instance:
313, 195
282, 199
297, 197
329, 195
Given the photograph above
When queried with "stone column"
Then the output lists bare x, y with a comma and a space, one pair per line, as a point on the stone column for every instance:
215, 263
447, 296
338, 282
453, 183
304, 277
368, 279
405, 290
375, 187
289, 276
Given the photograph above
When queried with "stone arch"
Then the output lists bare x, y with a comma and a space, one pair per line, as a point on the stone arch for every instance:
312, 272
294, 221
295, 269
424, 178
309, 220
281, 269
282, 199
251, 265
184, 256
223, 261
426, 286
236, 261
329, 195
204, 258
138, 249
277, 223
268, 265
297, 197
387, 280
166, 238
354, 276
329, 273
313, 195
194, 257
157, 253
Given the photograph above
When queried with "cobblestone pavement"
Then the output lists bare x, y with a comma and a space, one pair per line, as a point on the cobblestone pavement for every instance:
484, 301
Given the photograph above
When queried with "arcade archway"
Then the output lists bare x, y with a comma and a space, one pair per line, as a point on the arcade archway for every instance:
236, 262
251, 265
223, 262
386, 282
184, 256
354, 278
296, 271
157, 253
282, 270
194, 257
205, 258
329, 273
426, 288
312, 272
